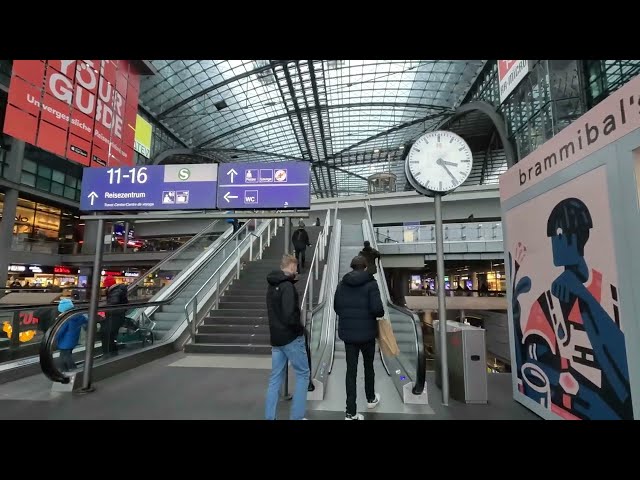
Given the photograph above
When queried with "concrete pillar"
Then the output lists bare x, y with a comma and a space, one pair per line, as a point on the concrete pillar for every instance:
12, 172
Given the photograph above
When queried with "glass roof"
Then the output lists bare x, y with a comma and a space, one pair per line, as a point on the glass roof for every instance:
350, 118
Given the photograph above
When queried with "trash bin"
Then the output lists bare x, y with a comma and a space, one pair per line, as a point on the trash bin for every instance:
467, 364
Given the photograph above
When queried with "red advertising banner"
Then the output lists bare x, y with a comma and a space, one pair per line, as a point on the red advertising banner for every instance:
83, 110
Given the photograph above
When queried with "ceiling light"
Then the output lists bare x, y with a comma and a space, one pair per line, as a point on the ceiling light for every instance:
377, 150
401, 147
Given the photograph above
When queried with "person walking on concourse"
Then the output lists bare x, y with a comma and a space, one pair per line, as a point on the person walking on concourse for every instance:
358, 305
287, 339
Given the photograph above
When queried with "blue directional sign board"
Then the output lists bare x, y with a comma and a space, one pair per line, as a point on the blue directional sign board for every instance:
264, 186
153, 187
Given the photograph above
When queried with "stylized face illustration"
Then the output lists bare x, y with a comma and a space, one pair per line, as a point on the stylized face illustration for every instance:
565, 249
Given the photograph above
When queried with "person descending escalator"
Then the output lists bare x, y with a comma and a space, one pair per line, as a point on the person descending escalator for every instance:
116, 295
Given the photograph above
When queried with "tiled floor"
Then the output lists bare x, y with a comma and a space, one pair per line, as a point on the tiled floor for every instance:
193, 387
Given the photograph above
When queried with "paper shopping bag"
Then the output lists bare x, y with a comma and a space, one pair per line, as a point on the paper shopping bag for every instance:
386, 338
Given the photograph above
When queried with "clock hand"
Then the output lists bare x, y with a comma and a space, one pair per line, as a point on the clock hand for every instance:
452, 164
443, 164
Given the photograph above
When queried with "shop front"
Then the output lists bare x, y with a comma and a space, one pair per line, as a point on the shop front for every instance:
41, 276
39, 227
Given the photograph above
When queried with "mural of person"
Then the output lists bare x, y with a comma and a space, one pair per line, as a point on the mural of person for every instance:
570, 352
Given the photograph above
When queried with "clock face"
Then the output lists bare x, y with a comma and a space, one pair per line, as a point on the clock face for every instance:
439, 161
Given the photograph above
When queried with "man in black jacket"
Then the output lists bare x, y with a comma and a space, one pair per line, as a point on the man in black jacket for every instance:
287, 339
117, 294
300, 240
358, 305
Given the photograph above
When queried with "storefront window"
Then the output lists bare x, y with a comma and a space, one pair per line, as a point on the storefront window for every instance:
35, 220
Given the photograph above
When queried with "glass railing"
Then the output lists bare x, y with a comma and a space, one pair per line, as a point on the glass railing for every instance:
323, 318
164, 273
453, 232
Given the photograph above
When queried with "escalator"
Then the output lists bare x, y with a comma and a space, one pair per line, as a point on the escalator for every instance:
399, 379
199, 288
156, 315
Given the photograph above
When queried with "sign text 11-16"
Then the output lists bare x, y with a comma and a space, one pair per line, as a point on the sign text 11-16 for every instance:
136, 175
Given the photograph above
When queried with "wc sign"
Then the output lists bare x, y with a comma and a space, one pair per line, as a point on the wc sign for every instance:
251, 197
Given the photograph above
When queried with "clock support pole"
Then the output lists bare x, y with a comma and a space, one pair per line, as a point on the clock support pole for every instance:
442, 310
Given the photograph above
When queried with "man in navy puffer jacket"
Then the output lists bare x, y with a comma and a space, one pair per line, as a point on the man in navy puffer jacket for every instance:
358, 305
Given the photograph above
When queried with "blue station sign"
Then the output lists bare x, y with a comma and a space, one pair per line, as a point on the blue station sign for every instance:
265, 186
153, 187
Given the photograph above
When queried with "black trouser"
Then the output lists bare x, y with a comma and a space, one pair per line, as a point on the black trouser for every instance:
353, 350
301, 254
110, 328
66, 358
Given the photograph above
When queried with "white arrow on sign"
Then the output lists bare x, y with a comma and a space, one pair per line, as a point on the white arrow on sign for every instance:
227, 196
92, 196
232, 173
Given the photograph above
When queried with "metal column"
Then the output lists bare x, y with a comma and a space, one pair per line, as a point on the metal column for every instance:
442, 309
126, 237
93, 309
12, 172
287, 251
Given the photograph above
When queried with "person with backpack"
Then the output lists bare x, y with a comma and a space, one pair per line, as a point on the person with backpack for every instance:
287, 339
117, 294
69, 334
300, 241
358, 305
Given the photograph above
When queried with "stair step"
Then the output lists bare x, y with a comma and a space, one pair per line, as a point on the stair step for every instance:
234, 338
253, 313
236, 321
225, 305
231, 328
228, 348
239, 297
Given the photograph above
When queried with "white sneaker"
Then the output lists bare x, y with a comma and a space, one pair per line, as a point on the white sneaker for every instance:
357, 416
375, 402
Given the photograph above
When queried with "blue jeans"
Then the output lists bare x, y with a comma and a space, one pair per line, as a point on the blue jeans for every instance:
296, 353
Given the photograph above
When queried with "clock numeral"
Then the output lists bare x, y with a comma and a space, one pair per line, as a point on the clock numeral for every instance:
440, 185
438, 139
427, 184
465, 161
451, 141
460, 149
413, 162
417, 150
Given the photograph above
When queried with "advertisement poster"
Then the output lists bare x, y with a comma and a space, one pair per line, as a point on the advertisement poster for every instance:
510, 74
82, 110
570, 354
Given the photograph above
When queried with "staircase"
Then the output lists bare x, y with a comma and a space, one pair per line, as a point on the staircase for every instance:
240, 324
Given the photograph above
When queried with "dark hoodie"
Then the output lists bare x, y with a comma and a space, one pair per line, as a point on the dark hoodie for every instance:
358, 305
283, 307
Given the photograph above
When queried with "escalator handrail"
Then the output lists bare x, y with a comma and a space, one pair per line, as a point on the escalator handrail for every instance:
421, 367
314, 259
168, 258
